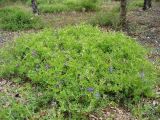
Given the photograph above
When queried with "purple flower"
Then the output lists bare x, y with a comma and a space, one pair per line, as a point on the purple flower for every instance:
90, 89
142, 75
111, 69
97, 95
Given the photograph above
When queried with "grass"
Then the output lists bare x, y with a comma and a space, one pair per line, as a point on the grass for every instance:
69, 5
110, 16
107, 18
134, 4
79, 69
146, 111
23, 102
18, 18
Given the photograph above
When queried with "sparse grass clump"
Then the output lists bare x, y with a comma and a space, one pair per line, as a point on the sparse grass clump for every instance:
107, 18
16, 18
68, 5
134, 4
81, 66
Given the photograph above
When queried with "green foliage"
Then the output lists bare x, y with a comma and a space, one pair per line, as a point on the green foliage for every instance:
28, 104
145, 111
16, 18
53, 8
82, 66
133, 4
68, 5
2, 2
107, 18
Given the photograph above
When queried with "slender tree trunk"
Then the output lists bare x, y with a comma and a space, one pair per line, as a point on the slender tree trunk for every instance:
34, 6
145, 5
123, 13
150, 3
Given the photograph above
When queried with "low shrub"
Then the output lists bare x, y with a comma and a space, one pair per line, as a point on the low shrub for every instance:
107, 18
82, 66
134, 4
53, 8
25, 104
69, 5
89, 5
16, 18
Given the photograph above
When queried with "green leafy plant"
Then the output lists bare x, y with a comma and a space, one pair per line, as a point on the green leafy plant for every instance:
82, 66
146, 111
26, 102
16, 18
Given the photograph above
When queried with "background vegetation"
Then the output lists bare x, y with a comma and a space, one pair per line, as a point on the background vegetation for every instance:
18, 18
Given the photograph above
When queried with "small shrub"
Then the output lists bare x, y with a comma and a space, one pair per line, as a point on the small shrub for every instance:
133, 4
107, 18
26, 105
2, 1
83, 66
146, 111
53, 8
89, 5
69, 5
15, 18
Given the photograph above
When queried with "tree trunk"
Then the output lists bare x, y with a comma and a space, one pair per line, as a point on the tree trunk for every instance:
123, 14
147, 4
34, 7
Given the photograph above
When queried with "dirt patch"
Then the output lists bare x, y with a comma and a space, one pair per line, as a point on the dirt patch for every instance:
112, 113
145, 27
70, 18
9, 36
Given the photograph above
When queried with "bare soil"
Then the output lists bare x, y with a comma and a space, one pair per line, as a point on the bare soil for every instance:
145, 27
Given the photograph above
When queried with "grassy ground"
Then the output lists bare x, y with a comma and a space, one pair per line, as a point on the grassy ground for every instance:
18, 97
